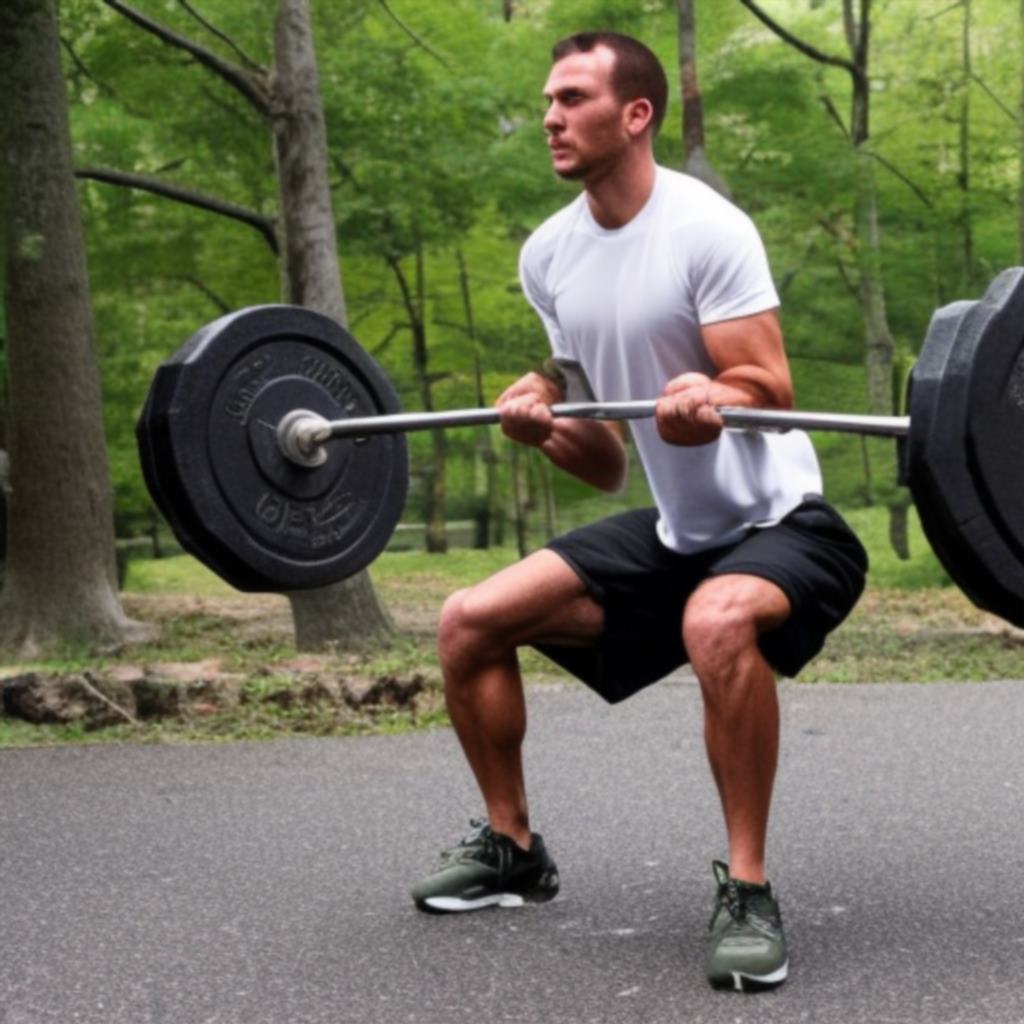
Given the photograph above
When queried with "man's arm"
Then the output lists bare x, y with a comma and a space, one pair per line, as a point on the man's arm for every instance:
591, 450
750, 358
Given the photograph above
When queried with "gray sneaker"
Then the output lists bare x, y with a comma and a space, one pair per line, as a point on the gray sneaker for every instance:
746, 948
488, 869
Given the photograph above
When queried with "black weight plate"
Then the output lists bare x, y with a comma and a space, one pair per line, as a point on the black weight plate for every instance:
995, 422
233, 500
933, 471
954, 517
165, 486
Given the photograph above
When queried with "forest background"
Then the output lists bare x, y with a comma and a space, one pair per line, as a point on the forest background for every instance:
878, 147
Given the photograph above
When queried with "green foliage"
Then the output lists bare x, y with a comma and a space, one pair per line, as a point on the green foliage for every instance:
435, 142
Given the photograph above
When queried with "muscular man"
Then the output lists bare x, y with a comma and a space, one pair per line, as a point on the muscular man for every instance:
655, 287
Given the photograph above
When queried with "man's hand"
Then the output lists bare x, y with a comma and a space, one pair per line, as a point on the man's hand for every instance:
686, 414
525, 409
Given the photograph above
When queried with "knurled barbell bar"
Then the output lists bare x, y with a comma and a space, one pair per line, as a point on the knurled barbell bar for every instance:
274, 445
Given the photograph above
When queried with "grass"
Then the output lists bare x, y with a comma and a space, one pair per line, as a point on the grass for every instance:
921, 571
179, 574
911, 625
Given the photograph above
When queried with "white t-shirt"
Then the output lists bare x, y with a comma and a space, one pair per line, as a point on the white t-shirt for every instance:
627, 304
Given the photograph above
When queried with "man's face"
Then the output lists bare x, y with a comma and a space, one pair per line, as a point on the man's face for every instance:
586, 123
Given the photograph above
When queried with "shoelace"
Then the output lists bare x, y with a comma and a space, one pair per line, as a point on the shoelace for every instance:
479, 840
755, 907
729, 895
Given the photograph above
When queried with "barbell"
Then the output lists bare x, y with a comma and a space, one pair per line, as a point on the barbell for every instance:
274, 445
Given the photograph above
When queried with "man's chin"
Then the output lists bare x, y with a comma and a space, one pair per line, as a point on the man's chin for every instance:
573, 173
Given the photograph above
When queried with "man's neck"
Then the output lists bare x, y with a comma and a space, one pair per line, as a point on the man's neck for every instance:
616, 198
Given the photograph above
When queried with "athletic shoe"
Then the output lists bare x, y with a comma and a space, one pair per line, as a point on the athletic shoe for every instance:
746, 949
488, 869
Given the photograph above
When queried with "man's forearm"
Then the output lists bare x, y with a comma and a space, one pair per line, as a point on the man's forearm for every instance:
590, 450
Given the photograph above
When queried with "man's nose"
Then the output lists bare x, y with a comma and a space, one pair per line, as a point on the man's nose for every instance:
552, 119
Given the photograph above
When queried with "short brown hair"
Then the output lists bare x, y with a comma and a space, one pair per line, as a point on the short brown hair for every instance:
636, 74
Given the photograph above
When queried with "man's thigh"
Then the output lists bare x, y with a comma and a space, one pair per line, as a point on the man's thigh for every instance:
818, 563
642, 588
539, 599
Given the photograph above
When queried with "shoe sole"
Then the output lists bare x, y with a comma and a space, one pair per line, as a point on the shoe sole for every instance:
738, 981
457, 904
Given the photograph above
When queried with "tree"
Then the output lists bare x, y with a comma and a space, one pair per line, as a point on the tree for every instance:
695, 160
879, 346
60, 585
288, 98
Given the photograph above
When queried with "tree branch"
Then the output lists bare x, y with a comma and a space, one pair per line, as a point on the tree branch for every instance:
381, 346
995, 99
86, 679
841, 238
412, 35
251, 64
263, 224
87, 74
250, 84
945, 10
403, 283
784, 34
201, 286
894, 170
830, 108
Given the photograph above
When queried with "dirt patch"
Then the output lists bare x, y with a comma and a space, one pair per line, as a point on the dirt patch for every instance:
264, 614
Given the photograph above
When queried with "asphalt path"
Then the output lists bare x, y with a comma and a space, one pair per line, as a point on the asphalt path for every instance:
267, 882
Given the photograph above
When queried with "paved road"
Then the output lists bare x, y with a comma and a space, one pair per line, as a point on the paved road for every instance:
258, 883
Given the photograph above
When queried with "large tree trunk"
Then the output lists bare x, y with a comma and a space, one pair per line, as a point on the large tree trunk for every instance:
695, 160
60, 586
348, 613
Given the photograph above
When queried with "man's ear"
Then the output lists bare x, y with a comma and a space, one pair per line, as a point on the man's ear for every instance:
637, 116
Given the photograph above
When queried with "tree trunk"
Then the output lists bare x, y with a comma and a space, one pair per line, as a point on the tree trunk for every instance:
695, 161
435, 476
547, 490
964, 173
436, 495
5, 467
878, 343
486, 462
347, 613
879, 348
60, 586
1020, 145
519, 503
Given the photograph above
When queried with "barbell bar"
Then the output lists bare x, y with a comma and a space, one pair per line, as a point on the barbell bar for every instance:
302, 434
275, 446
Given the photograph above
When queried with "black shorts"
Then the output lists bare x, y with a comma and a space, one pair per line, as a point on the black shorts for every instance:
811, 554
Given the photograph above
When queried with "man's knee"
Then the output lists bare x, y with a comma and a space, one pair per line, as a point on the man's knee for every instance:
726, 614
460, 614
470, 618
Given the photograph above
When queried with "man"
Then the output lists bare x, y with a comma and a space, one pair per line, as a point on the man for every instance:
653, 285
